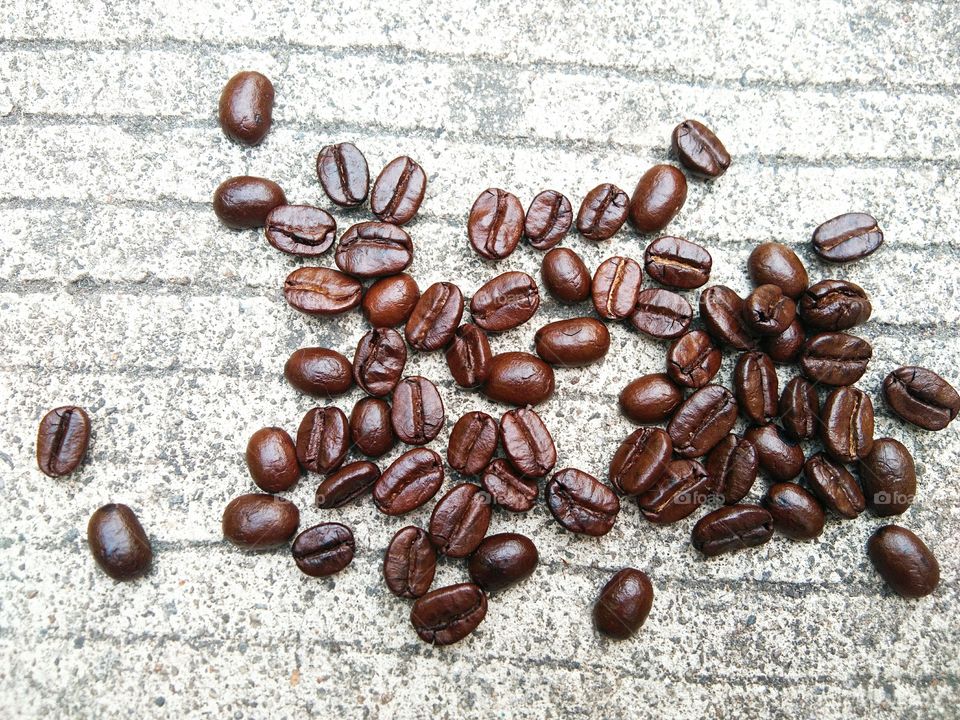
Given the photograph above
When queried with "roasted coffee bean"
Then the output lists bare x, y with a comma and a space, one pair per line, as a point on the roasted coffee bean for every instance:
370, 429
390, 300
624, 604
565, 276
460, 520
836, 488
800, 409
343, 173
374, 249
603, 212
527, 442
683, 487
548, 219
323, 549
641, 460
677, 262
347, 484
835, 358
581, 503
435, 317
509, 490
903, 561
779, 456
658, 197
661, 314
379, 361
616, 285
323, 439
732, 527
650, 398
796, 513
785, 347
775, 264
767, 311
447, 615
693, 359
495, 224
246, 107
417, 413
321, 291
702, 421
847, 237
847, 424
409, 482
699, 149
258, 522
468, 356
62, 440
246, 201
503, 560
834, 305
118, 542
410, 563
473, 441
921, 397
889, 477
505, 302
722, 312
732, 467
756, 387
519, 378
573, 343
398, 191
319, 371
300, 230
272, 460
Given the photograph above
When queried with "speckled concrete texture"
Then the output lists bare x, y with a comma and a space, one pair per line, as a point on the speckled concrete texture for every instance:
119, 291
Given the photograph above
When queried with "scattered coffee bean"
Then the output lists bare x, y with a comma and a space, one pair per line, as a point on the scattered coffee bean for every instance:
787, 346
775, 264
447, 615
800, 409
678, 263
347, 484
616, 285
398, 191
62, 440
509, 490
435, 317
374, 249
603, 212
779, 456
469, 356
519, 378
767, 311
732, 466
410, 563
889, 477
118, 542
847, 237
835, 487
323, 549
699, 149
756, 387
573, 343
657, 199
731, 528
581, 503
834, 305
661, 314
379, 361
321, 291
343, 173
650, 398
693, 360
548, 219
903, 561
323, 439
473, 441
370, 429
246, 201
505, 302
641, 460
921, 397
272, 460
300, 230
683, 487
417, 413
319, 371
796, 513
847, 424
495, 224
835, 358
246, 107
503, 560
624, 604
565, 276
409, 482
702, 421
460, 520
259, 522
722, 312
390, 300
527, 443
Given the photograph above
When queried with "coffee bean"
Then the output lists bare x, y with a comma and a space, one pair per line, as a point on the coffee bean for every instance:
796, 513
272, 460
342, 170
767, 311
398, 191
834, 305
921, 397
509, 490
616, 285
732, 467
246, 107
661, 314
246, 201
800, 409
527, 442
787, 346
449, 614
775, 264
699, 149
650, 398
62, 440
323, 439
731, 528
259, 522
693, 360
702, 421
379, 361
319, 371
370, 429
889, 477
118, 542
435, 317
657, 199
722, 312
410, 563
641, 460
779, 456
676, 262
468, 356
573, 343
300, 230
756, 387
321, 291
505, 302
390, 300
624, 604
503, 560
374, 249
417, 414
565, 276
835, 358
903, 561
409, 482
603, 212
847, 237
683, 487
460, 520
473, 441
548, 219
495, 224
519, 378
581, 503
847, 424
347, 484
323, 549
835, 487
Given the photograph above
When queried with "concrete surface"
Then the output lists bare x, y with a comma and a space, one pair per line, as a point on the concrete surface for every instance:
119, 291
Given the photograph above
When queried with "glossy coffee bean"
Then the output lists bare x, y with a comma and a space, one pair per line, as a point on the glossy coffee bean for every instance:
343, 173
323, 549
702, 421
921, 397
603, 212
615, 287
473, 441
799, 409
889, 477
847, 237
699, 149
796, 513
410, 563
370, 429
903, 561
259, 522
527, 443
62, 440
272, 460
519, 378
246, 201
767, 311
756, 387
319, 371
505, 302
846, 428
435, 317
409, 482
779, 457
678, 263
787, 346
495, 224
650, 398
565, 276
246, 107
641, 460
573, 343
447, 615
732, 466
390, 300
683, 487
460, 520
508, 489
379, 361
374, 249
722, 312
624, 604
503, 560
658, 197
581, 503
323, 439
417, 413
775, 264
834, 305
321, 291
731, 528
300, 230
469, 356
693, 360
398, 191
835, 358
548, 219
834, 486
118, 542
661, 314
347, 484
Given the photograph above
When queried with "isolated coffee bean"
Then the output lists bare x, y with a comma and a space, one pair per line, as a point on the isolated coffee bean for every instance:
519, 378
650, 398
259, 522
417, 412
731, 528
390, 300
323, 439
370, 429
616, 285
62, 440
624, 604
410, 563
548, 219
702, 421
661, 314
799, 409
323, 549
495, 224
796, 513
347, 484
834, 486
699, 149
565, 276
272, 460
321, 291
683, 487
527, 443
732, 466
903, 561
301, 230
473, 441
374, 249
921, 397
505, 302
756, 387
658, 197
573, 343
641, 460
343, 173
603, 212
409, 482
834, 305
787, 346
889, 477
503, 560
677, 262
398, 191
847, 237
319, 371
469, 356
835, 358
693, 360
379, 361
767, 311
847, 424
775, 264
245, 201
118, 542
435, 317
722, 312
460, 520
779, 456
508, 489
246, 107
581, 503
447, 615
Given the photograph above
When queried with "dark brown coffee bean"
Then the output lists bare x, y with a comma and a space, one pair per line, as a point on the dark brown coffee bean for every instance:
417, 413
834, 305
321, 291
661, 314
835, 358
641, 460
756, 387
410, 481
246, 107
398, 191
676, 262
319, 371
347, 484
495, 224
722, 312
835, 487
603, 212
616, 285
658, 197
300, 230
921, 397
732, 527
903, 561
889, 477
767, 311
374, 249
775, 264
468, 356
573, 343
732, 466
581, 503
460, 520
623, 604
702, 421
527, 442
847, 237
519, 378
62, 440
246, 201
272, 460
379, 361
847, 424
796, 513
650, 398
565, 276
548, 219
410, 563
259, 522
800, 409
683, 487
503, 560
390, 300
509, 490
370, 429
323, 549
505, 302
323, 439
118, 542
699, 149
447, 615
693, 360
343, 173
435, 317
787, 346
473, 441
779, 456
